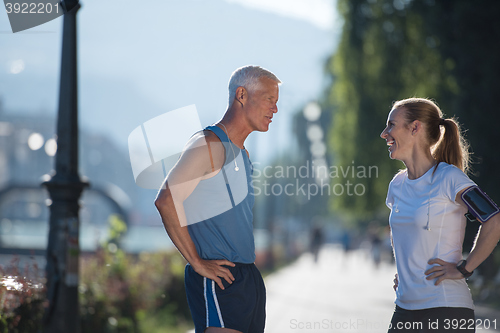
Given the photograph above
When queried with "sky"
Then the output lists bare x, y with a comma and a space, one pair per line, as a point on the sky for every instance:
137, 62
320, 13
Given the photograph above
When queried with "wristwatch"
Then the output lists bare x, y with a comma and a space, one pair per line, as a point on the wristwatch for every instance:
461, 268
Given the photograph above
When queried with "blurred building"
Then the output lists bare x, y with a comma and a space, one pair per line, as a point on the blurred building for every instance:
27, 149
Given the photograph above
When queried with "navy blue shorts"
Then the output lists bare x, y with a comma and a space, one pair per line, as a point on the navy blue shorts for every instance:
240, 306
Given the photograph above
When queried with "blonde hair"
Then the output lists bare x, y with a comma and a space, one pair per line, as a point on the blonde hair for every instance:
447, 143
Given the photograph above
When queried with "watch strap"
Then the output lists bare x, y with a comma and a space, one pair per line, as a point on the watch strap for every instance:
461, 268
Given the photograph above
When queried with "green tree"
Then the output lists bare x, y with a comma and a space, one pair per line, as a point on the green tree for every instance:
391, 50
446, 50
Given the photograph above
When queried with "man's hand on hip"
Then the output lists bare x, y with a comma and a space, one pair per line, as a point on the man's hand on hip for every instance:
214, 270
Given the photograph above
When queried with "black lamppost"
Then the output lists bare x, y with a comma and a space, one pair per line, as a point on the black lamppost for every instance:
65, 188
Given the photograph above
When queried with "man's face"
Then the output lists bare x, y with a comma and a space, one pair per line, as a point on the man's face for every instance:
262, 104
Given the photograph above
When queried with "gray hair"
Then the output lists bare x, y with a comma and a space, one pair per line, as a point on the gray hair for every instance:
248, 77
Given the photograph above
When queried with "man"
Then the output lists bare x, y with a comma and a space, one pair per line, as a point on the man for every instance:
206, 206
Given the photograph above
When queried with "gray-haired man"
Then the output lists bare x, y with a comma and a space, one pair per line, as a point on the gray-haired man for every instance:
206, 206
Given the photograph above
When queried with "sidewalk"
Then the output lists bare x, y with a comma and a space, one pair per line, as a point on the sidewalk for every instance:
339, 293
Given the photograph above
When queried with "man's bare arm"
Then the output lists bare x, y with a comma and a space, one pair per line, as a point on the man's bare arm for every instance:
197, 162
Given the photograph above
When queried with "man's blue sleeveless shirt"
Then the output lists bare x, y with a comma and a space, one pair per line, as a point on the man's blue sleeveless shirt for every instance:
219, 211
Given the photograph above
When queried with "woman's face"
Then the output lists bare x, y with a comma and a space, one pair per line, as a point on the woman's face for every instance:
397, 135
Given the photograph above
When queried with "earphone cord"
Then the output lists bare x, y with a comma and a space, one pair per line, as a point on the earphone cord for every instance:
396, 209
428, 226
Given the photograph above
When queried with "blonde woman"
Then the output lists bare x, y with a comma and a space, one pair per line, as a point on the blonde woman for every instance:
428, 223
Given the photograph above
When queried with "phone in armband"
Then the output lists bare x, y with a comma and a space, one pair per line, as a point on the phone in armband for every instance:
481, 207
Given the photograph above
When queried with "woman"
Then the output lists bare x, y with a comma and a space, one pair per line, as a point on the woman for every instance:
428, 223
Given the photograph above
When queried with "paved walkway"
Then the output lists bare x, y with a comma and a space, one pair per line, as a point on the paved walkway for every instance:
339, 293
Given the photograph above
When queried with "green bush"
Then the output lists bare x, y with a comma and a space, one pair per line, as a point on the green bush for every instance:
118, 292
22, 294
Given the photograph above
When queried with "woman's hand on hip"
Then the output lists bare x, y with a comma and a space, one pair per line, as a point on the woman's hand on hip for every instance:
444, 270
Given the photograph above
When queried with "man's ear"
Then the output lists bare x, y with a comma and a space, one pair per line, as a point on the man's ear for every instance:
241, 95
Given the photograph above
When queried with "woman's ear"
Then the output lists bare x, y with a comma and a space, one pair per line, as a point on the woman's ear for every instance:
415, 127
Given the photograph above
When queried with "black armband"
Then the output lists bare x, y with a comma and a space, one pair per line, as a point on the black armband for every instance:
479, 203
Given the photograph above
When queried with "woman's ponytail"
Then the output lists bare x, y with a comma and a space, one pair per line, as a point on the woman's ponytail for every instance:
452, 148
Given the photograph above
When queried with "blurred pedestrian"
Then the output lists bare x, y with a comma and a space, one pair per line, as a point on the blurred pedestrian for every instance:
316, 241
206, 206
346, 241
428, 223
375, 243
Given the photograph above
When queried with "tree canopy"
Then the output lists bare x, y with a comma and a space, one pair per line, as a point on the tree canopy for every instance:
446, 50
